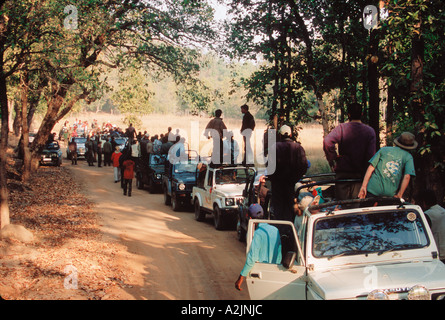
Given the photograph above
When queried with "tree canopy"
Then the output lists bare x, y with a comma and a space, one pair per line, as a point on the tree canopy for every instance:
297, 60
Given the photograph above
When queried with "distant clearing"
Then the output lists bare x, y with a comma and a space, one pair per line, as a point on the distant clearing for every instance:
192, 127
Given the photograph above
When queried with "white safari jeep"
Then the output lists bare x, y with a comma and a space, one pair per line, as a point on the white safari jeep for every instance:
370, 251
219, 191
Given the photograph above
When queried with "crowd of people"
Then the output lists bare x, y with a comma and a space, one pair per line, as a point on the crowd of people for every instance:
101, 146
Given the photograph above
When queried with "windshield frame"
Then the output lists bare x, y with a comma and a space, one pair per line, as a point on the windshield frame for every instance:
191, 164
366, 248
218, 181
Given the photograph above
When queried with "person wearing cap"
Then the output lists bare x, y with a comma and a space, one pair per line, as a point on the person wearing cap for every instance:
290, 166
356, 144
390, 169
265, 246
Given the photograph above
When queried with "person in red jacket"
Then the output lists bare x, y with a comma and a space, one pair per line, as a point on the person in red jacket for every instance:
115, 159
128, 176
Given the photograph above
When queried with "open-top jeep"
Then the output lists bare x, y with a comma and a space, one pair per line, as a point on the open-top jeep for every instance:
352, 249
219, 191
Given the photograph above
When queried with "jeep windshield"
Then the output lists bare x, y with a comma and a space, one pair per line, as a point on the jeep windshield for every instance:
233, 175
157, 159
186, 167
80, 140
369, 232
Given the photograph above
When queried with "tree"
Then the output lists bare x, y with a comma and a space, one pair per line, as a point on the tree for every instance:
132, 97
18, 25
70, 49
416, 72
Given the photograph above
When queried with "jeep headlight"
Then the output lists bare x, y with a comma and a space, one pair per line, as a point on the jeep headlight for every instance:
419, 292
230, 202
378, 295
158, 176
181, 186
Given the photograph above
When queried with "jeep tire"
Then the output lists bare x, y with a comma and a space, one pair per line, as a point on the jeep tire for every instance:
176, 205
167, 198
199, 213
139, 183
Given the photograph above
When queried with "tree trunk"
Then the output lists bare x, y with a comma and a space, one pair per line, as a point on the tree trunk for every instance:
390, 114
373, 86
17, 124
25, 128
4, 203
52, 116
311, 77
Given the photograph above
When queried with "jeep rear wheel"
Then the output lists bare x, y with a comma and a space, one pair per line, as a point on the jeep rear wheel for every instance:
199, 213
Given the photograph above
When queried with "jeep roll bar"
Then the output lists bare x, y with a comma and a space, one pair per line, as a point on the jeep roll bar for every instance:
360, 203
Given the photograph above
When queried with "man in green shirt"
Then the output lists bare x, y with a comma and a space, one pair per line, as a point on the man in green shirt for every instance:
390, 169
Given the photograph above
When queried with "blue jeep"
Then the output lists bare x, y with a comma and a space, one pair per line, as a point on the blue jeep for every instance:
178, 181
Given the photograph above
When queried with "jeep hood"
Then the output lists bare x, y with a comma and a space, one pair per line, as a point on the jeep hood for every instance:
352, 283
185, 178
230, 190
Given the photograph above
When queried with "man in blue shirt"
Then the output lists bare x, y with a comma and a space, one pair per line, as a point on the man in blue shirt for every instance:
265, 246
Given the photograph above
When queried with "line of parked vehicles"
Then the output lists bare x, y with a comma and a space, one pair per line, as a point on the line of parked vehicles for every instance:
197, 184
357, 249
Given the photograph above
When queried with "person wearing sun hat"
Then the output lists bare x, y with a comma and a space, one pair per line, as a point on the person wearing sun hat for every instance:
390, 169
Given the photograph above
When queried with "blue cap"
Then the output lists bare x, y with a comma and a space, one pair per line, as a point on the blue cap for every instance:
256, 211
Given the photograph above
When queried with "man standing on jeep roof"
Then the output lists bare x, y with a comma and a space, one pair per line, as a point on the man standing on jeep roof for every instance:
291, 165
356, 145
247, 127
215, 130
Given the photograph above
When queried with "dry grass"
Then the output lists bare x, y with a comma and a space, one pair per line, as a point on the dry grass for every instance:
192, 127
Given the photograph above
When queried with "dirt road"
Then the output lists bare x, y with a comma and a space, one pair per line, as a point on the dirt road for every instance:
170, 256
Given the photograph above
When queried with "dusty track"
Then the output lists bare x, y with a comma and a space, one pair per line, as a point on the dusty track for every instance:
170, 255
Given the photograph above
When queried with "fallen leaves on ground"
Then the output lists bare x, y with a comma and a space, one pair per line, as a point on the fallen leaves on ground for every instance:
71, 259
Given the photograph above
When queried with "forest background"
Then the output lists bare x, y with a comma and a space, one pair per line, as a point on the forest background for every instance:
293, 61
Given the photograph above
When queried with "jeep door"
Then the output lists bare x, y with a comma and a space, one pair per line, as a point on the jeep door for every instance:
275, 281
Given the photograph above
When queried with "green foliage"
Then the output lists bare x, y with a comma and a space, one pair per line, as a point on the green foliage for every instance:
408, 21
133, 96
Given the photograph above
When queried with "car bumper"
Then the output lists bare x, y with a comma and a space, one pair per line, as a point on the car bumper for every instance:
183, 196
49, 161
230, 211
